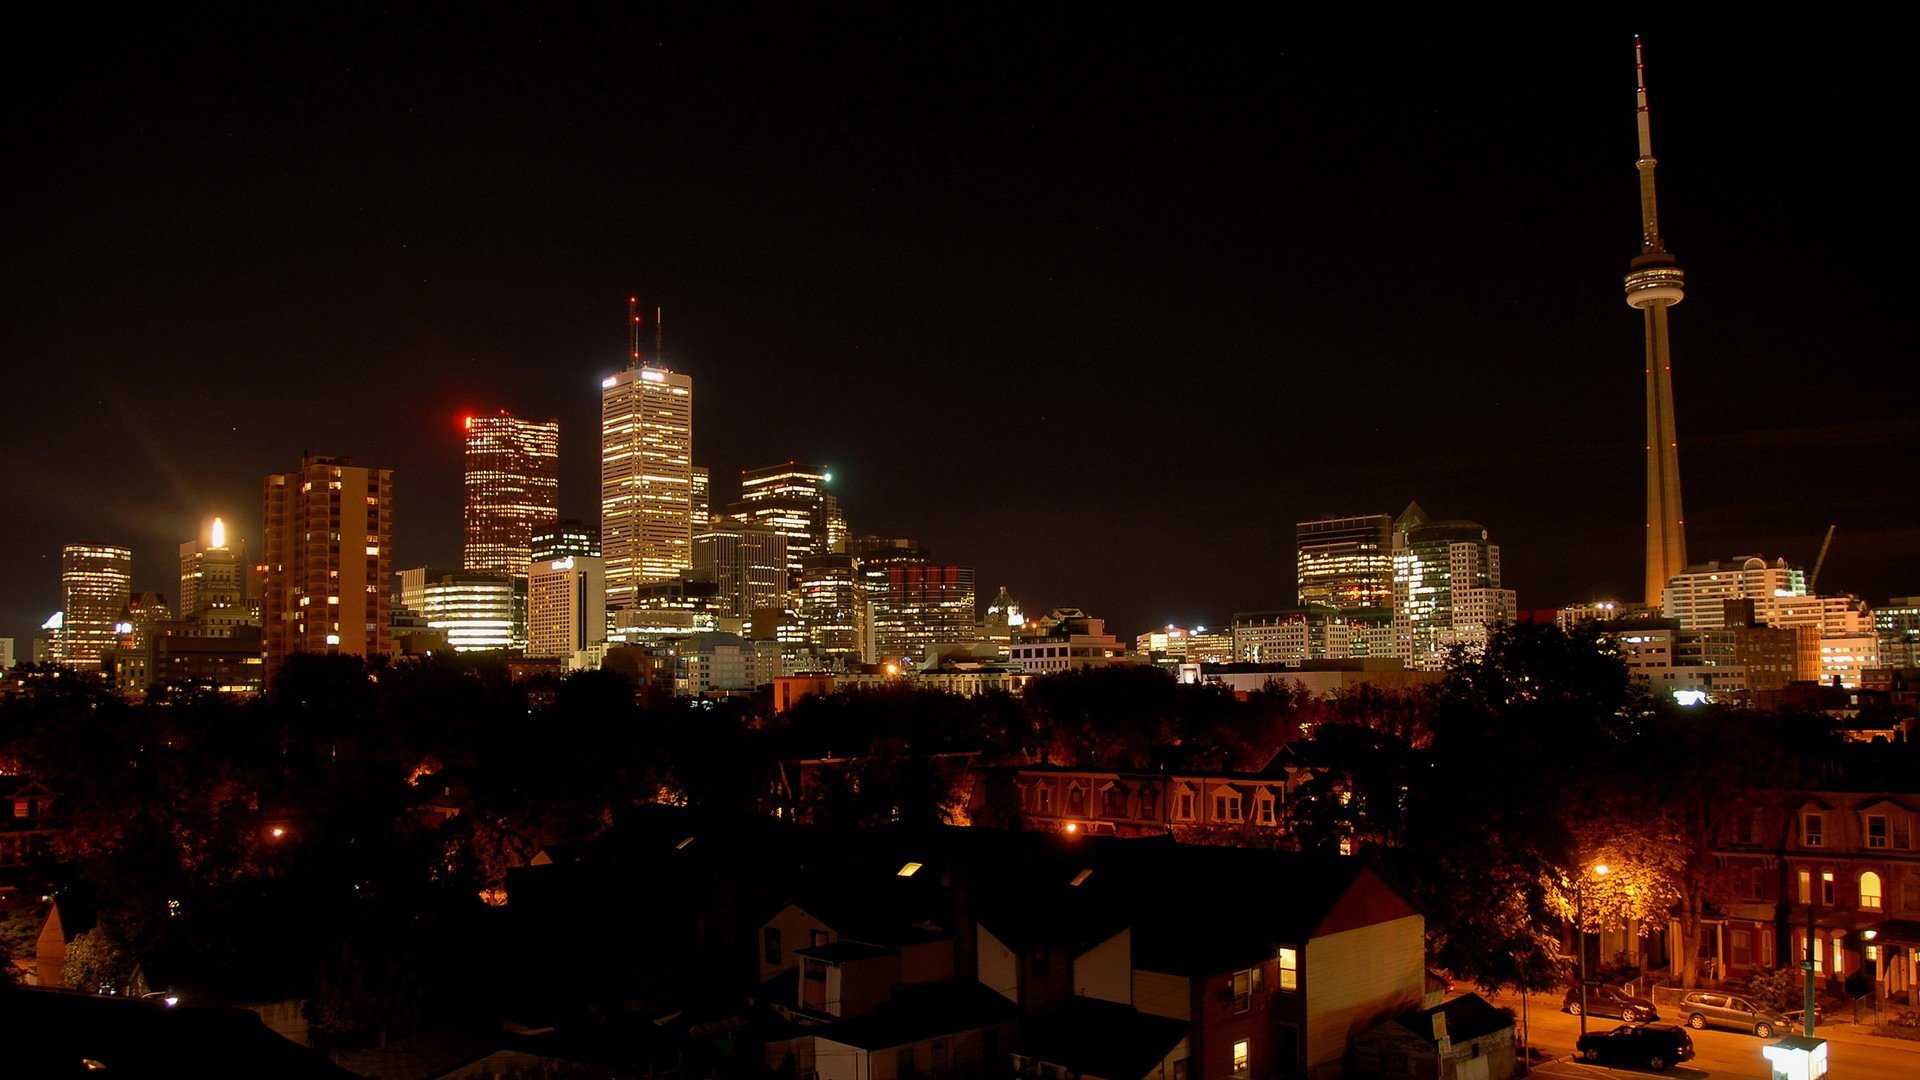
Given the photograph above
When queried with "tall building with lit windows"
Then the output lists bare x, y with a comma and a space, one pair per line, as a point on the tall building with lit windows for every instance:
1345, 563
792, 499
327, 558
833, 606
646, 478
566, 606
513, 489
473, 610
96, 581
746, 563
702, 497
1446, 588
217, 591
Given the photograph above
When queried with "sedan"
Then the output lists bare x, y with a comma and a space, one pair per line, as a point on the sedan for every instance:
1655, 1046
1614, 1001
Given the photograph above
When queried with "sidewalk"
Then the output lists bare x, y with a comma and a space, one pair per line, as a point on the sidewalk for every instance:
1845, 1031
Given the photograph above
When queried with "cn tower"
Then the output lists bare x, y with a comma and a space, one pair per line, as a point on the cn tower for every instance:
1654, 285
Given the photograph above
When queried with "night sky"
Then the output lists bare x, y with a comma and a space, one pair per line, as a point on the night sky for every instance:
1097, 303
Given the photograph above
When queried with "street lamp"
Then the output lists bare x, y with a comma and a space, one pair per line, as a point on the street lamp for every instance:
1580, 933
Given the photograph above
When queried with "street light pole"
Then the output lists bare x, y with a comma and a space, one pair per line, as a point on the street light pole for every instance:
1580, 933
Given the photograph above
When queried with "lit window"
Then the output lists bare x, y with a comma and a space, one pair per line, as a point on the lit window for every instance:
1826, 887
1241, 1052
1806, 887
1870, 891
1289, 969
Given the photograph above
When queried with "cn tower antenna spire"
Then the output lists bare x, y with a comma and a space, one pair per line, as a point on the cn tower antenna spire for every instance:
659, 336
1649, 210
633, 324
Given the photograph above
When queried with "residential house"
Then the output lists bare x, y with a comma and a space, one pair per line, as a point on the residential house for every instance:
28, 823
1478, 1044
1098, 802
1847, 859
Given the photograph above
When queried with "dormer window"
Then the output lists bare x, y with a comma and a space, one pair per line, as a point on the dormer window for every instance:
1877, 832
1813, 829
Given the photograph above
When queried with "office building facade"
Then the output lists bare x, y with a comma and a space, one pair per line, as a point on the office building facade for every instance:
747, 564
1345, 562
1446, 588
327, 558
566, 606
512, 489
646, 478
96, 582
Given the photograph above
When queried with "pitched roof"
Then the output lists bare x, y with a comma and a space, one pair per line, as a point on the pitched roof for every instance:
135, 1038
1469, 1016
1101, 1038
926, 1011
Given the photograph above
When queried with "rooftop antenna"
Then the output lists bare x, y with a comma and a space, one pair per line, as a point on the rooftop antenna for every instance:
633, 319
659, 334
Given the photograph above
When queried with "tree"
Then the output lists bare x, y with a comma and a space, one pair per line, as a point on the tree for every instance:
96, 962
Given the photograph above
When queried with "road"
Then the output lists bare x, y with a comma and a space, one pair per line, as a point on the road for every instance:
1720, 1055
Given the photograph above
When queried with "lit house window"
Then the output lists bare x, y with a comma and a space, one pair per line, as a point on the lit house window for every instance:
1241, 1052
1826, 887
1289, 969
1806, 887
1870, 891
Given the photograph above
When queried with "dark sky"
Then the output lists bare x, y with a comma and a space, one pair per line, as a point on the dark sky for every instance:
1100, 303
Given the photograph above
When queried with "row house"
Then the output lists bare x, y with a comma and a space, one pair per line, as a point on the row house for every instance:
28, 823
1121, 803
1848, 860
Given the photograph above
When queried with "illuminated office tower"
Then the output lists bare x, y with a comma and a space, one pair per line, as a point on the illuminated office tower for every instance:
570, 536
746, 563
702, 497
473, 610
216, 583
328, 558
1345, 562
833, 606
646, 475
1446, 587
1897, 624
1697, 596
913, 603
1654, 284
566, 605
793, 499
95, 584
513, 488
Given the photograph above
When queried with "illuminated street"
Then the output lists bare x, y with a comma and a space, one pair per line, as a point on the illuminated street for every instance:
1854, 1054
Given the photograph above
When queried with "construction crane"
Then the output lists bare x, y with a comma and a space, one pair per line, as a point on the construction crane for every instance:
1821, 561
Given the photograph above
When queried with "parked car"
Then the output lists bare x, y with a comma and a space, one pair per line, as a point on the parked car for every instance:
1655, 1046
1707, 1008
1614, 1001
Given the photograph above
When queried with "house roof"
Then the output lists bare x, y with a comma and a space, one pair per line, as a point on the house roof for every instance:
1469, 1016
844, 951
1101, 1038
927, 1011
135, 1038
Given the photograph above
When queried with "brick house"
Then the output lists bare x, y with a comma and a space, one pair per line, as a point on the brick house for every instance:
1100, 802
1852, 860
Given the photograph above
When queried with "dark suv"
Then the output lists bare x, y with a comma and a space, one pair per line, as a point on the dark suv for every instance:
1654, 1045
1608, 1000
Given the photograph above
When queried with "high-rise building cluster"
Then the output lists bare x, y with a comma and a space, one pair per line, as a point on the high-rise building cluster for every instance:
720, 596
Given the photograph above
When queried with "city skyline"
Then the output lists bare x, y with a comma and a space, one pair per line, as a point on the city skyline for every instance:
1175, 541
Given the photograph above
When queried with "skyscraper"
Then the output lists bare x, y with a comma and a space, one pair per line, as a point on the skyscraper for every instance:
216, 583
1446, 587
702, 497
566, 606
833, 605
1345, 562
646, 474
793, 499
96, 581
513, 488
912, 603
1654, 284
569, 536
328, 558
746, 563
